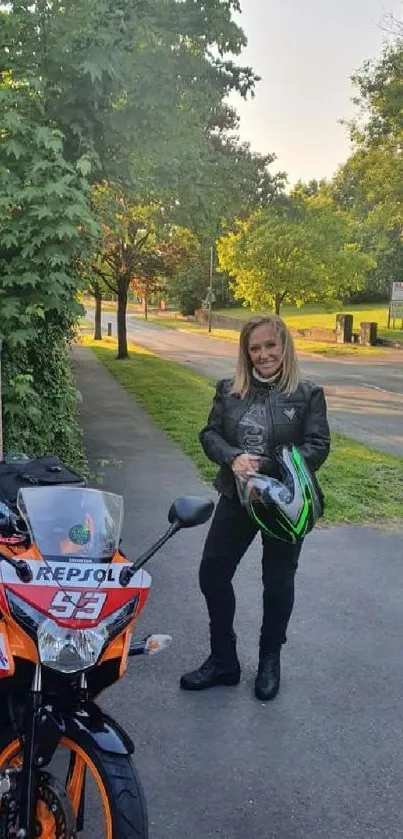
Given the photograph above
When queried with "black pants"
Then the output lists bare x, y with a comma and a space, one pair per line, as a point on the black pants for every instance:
228, 539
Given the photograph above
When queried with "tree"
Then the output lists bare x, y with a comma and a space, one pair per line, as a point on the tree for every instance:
369, 185
295, 252
97, 287
236, 182
134, 86
137, 246
379, 98
171, 251
91, 277
307, 190
138, 91
187, 287
45, 218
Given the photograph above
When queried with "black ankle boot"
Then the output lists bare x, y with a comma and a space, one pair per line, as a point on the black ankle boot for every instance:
267, 681
210, 673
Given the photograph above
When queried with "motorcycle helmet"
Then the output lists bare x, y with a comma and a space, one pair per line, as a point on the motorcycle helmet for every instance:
286, 509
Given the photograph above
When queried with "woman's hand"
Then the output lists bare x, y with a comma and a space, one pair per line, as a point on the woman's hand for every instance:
245, 465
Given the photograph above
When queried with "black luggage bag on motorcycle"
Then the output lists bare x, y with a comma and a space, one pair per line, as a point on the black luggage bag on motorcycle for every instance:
19, 472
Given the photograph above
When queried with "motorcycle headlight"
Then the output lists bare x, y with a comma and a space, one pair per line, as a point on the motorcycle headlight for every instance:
64, 649
69, 650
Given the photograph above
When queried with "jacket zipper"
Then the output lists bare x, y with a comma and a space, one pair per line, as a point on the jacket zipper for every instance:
273, 432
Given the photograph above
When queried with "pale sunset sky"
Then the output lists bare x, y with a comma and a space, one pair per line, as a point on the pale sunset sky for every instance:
305, 51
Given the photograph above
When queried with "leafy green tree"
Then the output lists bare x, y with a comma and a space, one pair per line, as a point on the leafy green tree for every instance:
170, 249
138, 246
187, 287
370, 184
45, 218
138, 90
308, 190
237, 182
295, 252
379, 98
135, 87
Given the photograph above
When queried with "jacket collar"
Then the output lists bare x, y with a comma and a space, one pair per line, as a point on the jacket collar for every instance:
269, 382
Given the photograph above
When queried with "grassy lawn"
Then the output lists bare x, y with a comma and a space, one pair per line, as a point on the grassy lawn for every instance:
362, 485
392, 334
322, 318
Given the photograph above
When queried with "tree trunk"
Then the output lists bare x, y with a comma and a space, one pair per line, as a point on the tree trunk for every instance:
277, 302
145, 305
121, 320
98, 316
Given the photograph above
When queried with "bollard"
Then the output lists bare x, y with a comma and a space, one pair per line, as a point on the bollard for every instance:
344, 329
109, 329
369, 334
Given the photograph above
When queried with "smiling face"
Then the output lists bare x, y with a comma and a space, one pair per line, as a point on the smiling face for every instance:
265, 350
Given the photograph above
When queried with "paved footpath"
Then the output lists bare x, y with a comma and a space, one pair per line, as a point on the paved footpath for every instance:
325, 759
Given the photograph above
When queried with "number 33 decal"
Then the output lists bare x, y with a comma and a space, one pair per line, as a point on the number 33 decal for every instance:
78, 605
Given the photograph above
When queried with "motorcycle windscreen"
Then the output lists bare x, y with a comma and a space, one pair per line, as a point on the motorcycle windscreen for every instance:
72, 522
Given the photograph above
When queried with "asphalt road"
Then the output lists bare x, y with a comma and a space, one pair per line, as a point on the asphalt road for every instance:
365, 396
324, 760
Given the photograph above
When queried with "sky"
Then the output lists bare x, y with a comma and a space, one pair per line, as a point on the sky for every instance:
305, 51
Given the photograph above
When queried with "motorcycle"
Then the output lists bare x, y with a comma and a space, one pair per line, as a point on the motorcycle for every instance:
69, 600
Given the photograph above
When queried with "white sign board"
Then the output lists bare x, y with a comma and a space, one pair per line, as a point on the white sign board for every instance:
397, 291
396, 309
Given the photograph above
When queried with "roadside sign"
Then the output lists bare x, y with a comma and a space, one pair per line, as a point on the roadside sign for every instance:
396, 302
396, 309
397, 292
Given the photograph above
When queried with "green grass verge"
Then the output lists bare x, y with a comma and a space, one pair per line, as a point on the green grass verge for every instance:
392, 334
362, 485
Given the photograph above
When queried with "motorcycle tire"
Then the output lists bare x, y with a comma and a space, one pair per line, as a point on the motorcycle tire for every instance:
119, 786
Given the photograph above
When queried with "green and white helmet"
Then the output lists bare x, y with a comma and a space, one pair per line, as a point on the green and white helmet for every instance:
286, 509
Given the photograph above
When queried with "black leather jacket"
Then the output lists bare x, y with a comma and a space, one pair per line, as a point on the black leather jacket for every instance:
299, 418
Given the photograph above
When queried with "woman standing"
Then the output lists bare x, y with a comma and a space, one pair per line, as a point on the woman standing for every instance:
267, 406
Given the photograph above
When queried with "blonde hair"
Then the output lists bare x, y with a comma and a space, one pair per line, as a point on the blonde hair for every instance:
289, 376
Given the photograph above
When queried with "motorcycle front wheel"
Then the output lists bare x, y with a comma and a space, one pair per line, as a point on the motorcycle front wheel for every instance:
84, 792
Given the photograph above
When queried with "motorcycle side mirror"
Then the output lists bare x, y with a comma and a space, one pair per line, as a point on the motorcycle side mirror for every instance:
187, 511
190, 511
